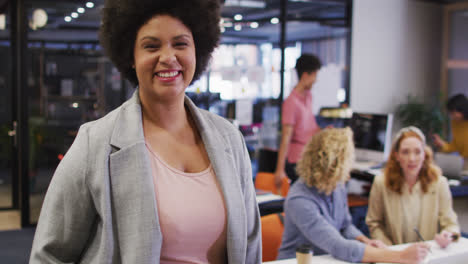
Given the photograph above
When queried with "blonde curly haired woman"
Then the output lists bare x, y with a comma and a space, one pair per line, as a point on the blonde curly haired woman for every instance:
412, 193
316, 208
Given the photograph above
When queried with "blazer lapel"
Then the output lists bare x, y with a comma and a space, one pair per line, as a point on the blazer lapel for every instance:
133, 198
428, 224
222, 159
395, 208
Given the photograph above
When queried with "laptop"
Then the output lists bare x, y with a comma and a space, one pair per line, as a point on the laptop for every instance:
451, 164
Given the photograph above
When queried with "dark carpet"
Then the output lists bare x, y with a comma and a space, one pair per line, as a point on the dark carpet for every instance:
15, 246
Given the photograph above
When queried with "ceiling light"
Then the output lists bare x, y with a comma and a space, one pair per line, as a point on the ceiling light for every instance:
274, 20
2, 22
74, 14
80, 10
89, 4
237, 27
38, 19
246, 3
254, 25
67, 19
238, 17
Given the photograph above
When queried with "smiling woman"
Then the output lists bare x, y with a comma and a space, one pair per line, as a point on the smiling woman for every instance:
120, 193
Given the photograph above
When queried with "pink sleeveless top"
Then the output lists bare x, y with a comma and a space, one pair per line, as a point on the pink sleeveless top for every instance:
192, 214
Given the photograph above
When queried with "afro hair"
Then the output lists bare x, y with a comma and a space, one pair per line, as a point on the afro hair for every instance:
121, 20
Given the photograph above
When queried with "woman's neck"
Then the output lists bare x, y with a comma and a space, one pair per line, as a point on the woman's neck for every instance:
169, 116
411, 180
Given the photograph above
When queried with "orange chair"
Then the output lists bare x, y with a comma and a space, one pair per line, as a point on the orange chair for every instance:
266, 181
272, 232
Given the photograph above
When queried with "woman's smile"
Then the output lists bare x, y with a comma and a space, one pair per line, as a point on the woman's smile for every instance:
168, 75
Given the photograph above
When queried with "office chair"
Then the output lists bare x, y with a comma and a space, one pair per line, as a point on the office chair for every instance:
272, 232
266, 181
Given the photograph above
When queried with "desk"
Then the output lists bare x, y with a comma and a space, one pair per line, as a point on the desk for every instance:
357, 200
269, 203
358, 209
456, 253
325, 259
264, 197
460, 190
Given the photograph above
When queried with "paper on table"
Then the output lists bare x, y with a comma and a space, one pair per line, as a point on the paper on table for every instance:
455, 253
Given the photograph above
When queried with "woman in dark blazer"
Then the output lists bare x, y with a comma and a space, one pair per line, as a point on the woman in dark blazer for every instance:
105, 203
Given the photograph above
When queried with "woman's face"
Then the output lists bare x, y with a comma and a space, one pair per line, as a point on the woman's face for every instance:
164, 58
411, 156
455, 115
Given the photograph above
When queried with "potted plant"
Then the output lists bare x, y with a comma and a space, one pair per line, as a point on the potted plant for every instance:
429, 118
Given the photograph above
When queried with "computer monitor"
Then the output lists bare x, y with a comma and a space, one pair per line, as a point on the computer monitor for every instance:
372, 136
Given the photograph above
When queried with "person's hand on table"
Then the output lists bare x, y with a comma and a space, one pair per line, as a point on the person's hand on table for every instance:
415, 253
444, 238
371, 242
376, 243
279, 175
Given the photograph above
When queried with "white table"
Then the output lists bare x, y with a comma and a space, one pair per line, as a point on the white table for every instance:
325, 259
268, 197
455, 253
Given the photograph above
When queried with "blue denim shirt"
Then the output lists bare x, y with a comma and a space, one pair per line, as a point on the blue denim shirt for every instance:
311, 219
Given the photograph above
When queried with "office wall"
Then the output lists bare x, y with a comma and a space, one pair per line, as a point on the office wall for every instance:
396, 50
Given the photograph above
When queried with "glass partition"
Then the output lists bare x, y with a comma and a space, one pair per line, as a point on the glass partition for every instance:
71, 82
6, 116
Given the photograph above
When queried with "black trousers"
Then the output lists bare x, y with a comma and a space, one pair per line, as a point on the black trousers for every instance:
290, 169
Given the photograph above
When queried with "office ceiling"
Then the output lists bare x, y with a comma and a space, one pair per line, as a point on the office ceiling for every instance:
307, 19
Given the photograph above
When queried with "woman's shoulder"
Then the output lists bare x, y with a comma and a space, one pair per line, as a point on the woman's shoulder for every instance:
212, 121
459, 123
378, 184
441, 181
301, 189
103, 123
129, 113
379, 179
217, 120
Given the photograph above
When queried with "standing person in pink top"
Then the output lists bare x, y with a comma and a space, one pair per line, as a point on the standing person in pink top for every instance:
298, 120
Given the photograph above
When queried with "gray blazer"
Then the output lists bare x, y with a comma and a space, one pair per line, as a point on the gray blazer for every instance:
101, 207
